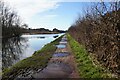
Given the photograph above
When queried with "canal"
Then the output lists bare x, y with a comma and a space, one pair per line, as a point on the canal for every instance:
16, 49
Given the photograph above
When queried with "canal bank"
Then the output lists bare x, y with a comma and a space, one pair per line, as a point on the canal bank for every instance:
31, 65
62, 58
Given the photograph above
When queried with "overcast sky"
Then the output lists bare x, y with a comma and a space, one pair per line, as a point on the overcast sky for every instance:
48, 13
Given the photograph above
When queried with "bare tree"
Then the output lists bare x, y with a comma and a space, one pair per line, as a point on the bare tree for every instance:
9, 21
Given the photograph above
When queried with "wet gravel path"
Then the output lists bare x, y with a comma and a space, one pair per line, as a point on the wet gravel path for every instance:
62, 63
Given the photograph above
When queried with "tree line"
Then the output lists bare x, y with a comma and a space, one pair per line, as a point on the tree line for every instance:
41, 31
9, 21
99, 31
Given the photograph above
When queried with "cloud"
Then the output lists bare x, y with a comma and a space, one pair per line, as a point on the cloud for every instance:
29, 8
50, 16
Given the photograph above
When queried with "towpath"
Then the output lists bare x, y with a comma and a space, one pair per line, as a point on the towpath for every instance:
62, 64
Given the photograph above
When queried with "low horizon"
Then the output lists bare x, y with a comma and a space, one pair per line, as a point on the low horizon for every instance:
47, 14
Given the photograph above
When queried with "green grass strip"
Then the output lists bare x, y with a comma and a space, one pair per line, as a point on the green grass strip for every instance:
85, 66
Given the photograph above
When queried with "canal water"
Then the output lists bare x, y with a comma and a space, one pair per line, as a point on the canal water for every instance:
16, 49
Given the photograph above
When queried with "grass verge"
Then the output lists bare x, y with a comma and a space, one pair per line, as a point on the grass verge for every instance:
37, 61
86, 68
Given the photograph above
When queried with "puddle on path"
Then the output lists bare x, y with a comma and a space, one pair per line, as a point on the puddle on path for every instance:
63, 42
54, 70
64, 39
61, 46
60, 54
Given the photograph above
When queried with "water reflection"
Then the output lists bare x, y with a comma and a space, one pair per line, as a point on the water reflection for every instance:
18, 48
12, 49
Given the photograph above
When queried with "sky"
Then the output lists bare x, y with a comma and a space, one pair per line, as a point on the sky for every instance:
47, 14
